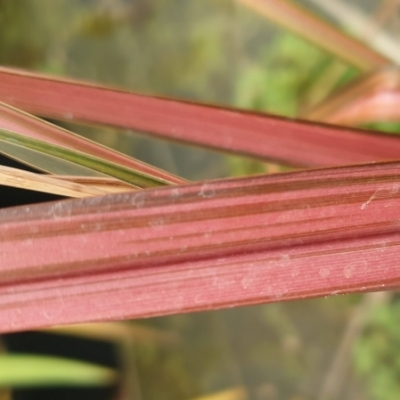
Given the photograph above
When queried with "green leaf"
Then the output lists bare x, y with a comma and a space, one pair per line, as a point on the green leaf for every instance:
123, 173
44, 162
21, 370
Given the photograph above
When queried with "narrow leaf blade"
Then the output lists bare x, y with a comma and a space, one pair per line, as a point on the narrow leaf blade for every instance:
289, 141
139, 179
28, 125
63, 187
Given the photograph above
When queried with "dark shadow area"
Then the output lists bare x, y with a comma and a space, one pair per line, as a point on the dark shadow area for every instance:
11, 197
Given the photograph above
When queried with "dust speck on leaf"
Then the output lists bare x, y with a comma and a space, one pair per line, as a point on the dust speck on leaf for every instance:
394, 189
280, 292
295, 272
324, 272
156, 223
60, 209
246, 282
207, 191
175, 193
139, 200
68, 115
348, 272
284, 260
364, 205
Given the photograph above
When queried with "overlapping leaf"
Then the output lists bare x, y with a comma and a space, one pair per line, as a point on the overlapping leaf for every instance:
100, 165
17, 121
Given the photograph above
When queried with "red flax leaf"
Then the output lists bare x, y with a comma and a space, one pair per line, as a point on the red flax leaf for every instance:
201, 246
259, 135
373, 98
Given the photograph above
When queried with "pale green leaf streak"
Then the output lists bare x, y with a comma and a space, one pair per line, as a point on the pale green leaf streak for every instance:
123, 173
20, 370
44, 162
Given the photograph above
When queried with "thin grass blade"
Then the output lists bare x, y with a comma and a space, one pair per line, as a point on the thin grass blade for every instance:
202, 246
45, 162
28, 125
136, 178
63, 187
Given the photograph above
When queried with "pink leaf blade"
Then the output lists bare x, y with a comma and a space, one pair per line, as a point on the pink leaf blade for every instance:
202, 246
267, 137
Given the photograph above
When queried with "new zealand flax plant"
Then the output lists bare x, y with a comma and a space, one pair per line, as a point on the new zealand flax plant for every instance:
136, 241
